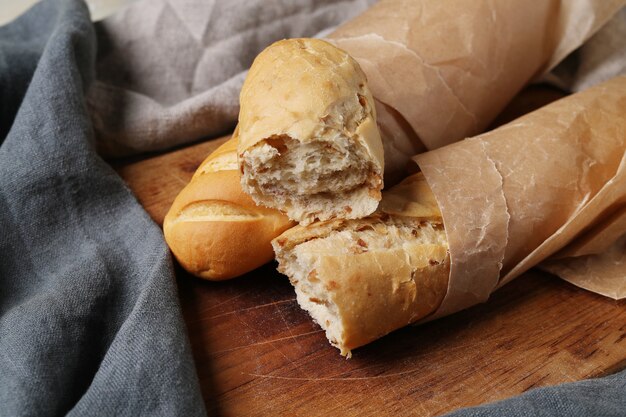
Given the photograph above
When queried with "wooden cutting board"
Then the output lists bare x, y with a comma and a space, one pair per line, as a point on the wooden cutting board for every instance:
258, 354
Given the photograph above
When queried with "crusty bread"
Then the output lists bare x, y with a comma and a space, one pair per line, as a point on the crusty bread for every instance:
361, 279
309, 144
213, 228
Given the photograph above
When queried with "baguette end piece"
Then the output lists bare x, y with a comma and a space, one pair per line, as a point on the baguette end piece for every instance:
213, 228
309, 145
361, 279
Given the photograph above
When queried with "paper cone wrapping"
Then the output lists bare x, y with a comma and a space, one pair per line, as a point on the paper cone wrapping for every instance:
515, 196
450, 66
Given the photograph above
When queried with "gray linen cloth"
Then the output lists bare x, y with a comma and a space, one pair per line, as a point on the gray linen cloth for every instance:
89, 316
90, 322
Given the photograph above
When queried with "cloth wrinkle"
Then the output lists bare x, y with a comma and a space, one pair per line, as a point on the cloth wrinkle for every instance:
89, 310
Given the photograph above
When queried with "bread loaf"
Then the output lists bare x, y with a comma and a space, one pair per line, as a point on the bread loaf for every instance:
309, 145
213, 228
361, 279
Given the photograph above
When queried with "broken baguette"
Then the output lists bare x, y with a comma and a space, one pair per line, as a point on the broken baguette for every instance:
309, 144
213, 228
511, 198
361, 279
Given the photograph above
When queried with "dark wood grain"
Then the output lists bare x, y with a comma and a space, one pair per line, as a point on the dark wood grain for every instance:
258, 354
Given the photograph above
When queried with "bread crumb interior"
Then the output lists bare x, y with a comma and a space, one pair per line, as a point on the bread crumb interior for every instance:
317, 180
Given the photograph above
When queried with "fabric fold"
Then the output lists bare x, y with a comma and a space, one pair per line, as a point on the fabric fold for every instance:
89, 317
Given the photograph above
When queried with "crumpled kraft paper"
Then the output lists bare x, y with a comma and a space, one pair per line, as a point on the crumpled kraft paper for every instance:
600, 58
440, 66
515, 196
603, 273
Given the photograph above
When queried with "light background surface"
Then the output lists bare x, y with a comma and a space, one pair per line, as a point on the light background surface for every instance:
10, 9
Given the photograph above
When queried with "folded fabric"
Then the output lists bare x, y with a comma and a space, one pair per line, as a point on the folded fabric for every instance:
89, 317
593, 397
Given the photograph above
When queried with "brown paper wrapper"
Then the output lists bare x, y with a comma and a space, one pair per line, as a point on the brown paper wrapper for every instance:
603, 273
551, 183
450, 66
596, 260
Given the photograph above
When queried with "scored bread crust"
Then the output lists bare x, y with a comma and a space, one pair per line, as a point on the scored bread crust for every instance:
307, 94
361, 279
213, 228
